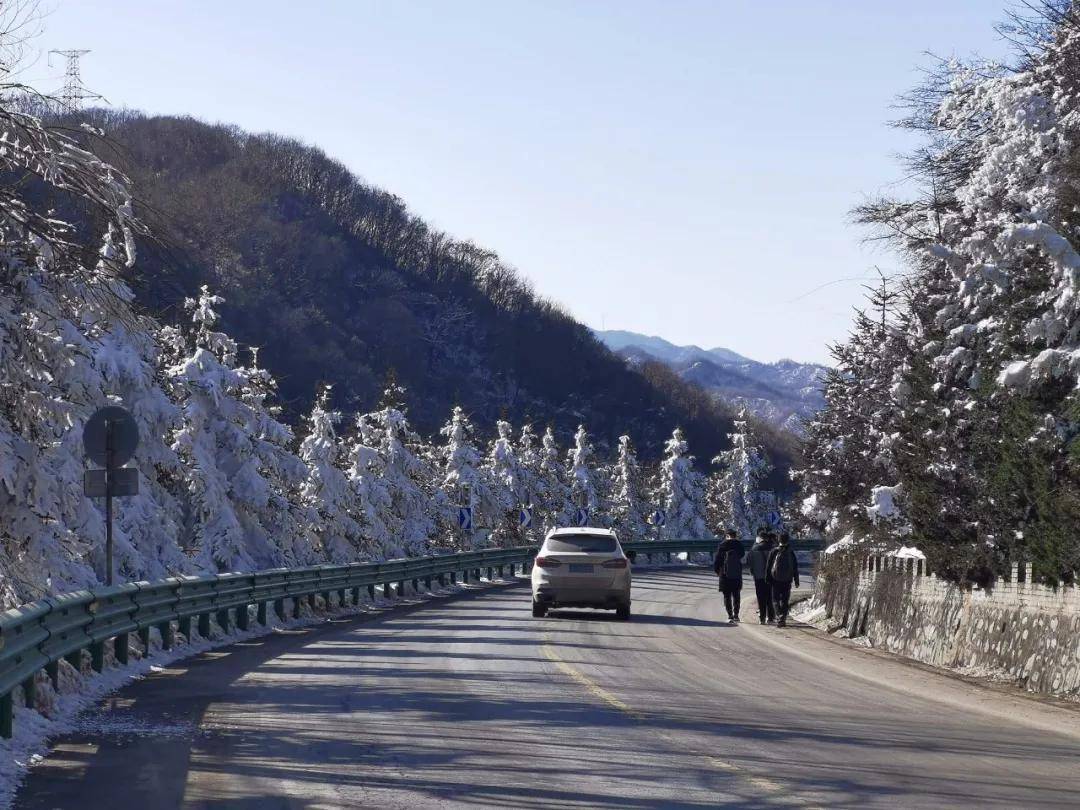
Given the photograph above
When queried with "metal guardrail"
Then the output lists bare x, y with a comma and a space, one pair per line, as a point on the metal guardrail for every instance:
39, 635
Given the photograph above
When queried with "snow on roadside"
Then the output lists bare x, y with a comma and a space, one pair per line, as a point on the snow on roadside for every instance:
33, 731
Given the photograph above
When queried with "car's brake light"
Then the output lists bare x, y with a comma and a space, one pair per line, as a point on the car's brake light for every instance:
619, 563
547, 562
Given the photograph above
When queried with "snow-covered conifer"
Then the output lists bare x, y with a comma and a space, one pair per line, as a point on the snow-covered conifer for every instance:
581, 476
629, 512
328, 490
736, 491
681, 492
407, 473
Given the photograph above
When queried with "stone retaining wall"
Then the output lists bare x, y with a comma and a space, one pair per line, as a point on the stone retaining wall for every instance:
1021, 632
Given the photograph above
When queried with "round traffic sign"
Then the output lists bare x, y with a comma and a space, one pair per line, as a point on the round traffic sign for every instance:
111, 428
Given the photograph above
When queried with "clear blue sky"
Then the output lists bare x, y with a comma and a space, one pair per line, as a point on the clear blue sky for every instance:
676, 168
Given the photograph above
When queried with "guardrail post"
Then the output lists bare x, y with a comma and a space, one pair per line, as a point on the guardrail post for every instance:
427, 583
204, 625
442, 580
464, 576
52, 669
386, 590
491, 573
453, 578
513, 570
242, 617
75, 660
144, 639
501, 569
296, 607
371, 592
168, 637
416, 586
7, 716
260, 615
279, 608
476, 574
185, 627
401, 589
120, 648
97, 656
342, 599
223, 619
326, 599
311, 600
356, 596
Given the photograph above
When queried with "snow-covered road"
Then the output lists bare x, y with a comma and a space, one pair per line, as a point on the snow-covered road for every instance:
470, 701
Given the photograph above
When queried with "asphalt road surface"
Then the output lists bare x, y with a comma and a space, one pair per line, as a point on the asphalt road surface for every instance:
468, 701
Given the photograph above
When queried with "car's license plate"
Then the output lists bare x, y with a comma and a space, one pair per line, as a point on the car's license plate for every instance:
580, 568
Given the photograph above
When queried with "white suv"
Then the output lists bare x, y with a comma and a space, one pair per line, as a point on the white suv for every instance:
581, 567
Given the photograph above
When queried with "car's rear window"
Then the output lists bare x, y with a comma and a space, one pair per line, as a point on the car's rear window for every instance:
589, 543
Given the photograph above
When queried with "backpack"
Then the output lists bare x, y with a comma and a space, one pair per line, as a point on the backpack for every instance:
783, 565
732, 564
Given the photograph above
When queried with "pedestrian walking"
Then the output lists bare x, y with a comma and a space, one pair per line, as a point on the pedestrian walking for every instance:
783, 571
728, 565
758, 561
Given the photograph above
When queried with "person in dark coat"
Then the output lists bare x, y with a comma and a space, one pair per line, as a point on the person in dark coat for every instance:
728, 566
783, 571
758, 561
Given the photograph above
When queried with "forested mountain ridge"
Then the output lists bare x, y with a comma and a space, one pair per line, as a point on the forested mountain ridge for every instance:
337, 281
784, 393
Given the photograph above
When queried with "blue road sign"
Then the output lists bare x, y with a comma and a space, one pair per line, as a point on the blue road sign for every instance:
524, 517
464, 517
775, 520
658, 518
581, 517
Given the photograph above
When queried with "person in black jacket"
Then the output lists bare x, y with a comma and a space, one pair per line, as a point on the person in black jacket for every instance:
758, 561
728, 566
783, 571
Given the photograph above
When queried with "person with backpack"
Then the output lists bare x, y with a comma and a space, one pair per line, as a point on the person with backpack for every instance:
783, 571
728, 566
758, 560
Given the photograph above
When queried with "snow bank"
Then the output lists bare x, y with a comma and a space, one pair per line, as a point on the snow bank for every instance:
907, 553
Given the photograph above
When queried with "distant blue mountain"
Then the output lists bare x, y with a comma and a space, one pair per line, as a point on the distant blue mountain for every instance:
784, 392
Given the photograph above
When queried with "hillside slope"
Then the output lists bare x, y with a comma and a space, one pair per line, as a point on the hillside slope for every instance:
337, 281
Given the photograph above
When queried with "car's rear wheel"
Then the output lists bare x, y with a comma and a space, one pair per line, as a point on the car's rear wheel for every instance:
539, 610
622, 613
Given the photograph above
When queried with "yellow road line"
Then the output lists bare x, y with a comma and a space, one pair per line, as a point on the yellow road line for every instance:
778, 791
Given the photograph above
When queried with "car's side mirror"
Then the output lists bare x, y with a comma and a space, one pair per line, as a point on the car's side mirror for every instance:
631, 555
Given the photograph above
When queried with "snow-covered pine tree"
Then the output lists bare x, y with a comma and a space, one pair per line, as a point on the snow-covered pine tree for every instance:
850, 446
373, 505
628, 509
287, 522
532, 484
580, 476
681, 492
505, 471
238, 469
735, 489
328, 490
557, 508
464, 482
408, 475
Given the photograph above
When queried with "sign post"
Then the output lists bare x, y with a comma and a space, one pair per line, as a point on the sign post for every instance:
109, 439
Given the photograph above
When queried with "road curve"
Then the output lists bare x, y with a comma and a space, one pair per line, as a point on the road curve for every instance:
470, 702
